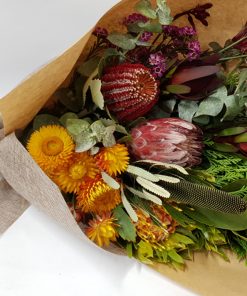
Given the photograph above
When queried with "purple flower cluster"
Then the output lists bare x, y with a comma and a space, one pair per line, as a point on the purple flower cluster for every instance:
194, 50
134, 18
178, 32
170, 30
100, 32
158, 63
146, 36
186, 31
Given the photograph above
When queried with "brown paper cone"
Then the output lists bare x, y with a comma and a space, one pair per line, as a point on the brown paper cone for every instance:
206, 275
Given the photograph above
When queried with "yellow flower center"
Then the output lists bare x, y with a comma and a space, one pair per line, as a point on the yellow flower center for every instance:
52, 146
77, 171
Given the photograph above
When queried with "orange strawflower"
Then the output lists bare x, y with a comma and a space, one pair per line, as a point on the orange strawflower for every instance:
97, 197
102, 230
81, 168
113, 160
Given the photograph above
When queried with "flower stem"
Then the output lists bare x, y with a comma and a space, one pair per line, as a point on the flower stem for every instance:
232, 44
235, 57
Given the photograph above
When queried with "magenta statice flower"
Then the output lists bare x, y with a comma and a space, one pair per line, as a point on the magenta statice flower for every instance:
194, 50
186, 31
146, 36
158, 63
135, 18
100, 32
170, 30
159, 70
156, 59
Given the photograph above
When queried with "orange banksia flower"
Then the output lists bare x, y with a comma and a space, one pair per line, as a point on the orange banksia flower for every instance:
113, 160
154, 233
97, 197
102, 230
51, 147
80, 168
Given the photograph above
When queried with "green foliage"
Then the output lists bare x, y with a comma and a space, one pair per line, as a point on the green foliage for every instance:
225, 167
123, 41
187, 109
178, 89
43, 120
87, 134
144, 7
126, 228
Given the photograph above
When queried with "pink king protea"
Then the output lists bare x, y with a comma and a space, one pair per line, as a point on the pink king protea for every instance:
129, 90
170, 140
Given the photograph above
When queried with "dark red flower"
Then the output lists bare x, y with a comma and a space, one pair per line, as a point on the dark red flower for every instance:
129, 90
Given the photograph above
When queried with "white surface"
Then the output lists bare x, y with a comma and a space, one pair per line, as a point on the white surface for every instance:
37, 257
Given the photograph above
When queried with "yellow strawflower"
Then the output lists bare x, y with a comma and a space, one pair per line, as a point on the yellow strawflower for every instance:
51, 147
102, 230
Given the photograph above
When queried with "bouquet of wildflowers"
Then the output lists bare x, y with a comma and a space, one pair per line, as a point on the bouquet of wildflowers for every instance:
148, 142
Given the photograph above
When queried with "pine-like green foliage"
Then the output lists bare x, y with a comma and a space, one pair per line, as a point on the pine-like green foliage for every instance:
225, 167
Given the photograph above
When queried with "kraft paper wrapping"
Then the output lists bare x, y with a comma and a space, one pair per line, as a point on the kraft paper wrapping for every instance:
23, 182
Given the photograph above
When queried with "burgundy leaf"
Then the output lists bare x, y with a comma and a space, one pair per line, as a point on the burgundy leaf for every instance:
188, 74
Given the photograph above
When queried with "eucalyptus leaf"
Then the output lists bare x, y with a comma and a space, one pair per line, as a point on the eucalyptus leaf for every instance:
69, 115
124, 41
98, 129
88, 67
168, 105
187, 109
151, 27
144, 7
233, 107
108, 137
97, 96
203, 120
84, 142
76, 126
45, 119
164, 13
211, 106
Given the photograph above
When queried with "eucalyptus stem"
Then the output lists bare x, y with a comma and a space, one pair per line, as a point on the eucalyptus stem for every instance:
235, 57
232, 44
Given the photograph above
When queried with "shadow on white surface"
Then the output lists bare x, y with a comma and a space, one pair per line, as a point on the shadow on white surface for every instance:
38, 257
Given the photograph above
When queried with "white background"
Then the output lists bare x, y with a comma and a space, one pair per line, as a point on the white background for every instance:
38, 257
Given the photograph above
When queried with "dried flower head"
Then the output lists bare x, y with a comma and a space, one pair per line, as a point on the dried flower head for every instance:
102, 229
97, 197
51, 147
129, 90
80, 168
113, 160
155, 233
